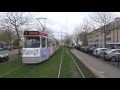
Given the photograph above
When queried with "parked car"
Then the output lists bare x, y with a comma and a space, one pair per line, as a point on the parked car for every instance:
91, 50
3, 57
1, 49
5, 47
112, 54
99, 51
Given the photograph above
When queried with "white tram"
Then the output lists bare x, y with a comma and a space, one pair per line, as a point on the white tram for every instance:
38, 46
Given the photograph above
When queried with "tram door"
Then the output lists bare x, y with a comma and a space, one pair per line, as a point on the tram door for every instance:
43, 50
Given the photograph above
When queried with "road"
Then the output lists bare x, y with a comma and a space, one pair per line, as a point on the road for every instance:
104, 68
12, 54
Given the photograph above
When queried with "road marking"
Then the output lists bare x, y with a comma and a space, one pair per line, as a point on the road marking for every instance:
60, 65
77, 66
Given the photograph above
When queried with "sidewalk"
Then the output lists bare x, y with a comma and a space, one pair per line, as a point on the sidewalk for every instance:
99, 68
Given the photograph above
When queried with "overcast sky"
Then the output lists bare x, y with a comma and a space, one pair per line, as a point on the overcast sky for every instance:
65, 21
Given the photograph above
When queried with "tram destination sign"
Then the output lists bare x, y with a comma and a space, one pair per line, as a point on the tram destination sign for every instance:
31, 32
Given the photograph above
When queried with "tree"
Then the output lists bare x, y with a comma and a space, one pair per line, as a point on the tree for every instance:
16, 42
85, 28
104, 21
67, 39
76, 34
8, 31
17, 20
7, 36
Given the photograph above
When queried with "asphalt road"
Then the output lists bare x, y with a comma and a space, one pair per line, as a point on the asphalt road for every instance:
105, 68
12, 54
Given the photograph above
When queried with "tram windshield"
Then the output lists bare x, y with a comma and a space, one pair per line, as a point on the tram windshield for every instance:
32, 42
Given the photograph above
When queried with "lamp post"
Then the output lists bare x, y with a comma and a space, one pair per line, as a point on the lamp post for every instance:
117, 31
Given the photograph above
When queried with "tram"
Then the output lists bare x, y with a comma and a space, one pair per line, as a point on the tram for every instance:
38, 47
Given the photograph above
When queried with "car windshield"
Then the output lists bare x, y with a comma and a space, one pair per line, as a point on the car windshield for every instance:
108, 50
104, 49
1, 52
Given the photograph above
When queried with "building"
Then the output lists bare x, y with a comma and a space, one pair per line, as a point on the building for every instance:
96, 37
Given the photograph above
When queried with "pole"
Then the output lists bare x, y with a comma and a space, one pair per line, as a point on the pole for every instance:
117, 32
104, 55
118, 60
61, 37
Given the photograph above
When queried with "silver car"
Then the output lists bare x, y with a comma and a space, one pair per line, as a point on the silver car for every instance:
3, 57
1, 49
99, 51
112, 54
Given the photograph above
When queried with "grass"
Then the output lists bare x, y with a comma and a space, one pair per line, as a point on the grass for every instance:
67, 65
87, 73
46, 69
5, 67
49, 68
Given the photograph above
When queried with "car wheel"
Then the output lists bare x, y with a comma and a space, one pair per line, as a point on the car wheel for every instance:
113, 59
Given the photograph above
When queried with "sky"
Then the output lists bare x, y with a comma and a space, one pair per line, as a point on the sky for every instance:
57, 21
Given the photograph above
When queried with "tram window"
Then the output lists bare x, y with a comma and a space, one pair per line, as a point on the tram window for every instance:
48, 42
43, 42
53, 44
32, 42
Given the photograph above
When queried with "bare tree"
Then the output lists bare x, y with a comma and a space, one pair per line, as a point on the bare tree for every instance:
76, 34
85, 28
16, 21
104, 21
8, 30
67, 39
7, 36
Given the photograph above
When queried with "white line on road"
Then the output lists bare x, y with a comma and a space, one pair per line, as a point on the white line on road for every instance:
60, 65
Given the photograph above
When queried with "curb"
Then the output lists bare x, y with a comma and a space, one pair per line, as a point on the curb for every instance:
95, 72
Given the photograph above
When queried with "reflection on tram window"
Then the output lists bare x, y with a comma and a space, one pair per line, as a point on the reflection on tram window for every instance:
43, 42
32, 42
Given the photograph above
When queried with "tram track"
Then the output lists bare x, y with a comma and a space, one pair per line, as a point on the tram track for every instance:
80, 71
81, 74
64, 69
12, 70
30, 72
60, 64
